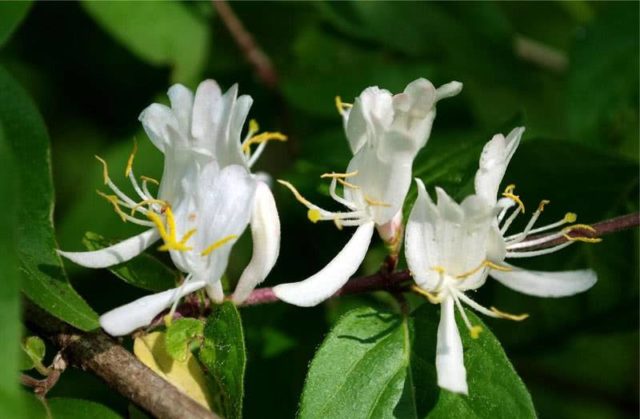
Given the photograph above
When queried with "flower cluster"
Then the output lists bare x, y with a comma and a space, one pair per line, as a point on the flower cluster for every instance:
208, 196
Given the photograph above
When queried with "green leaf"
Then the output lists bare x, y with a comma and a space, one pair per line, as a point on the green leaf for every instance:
10, 399
181, 335
34, 350
223, 354
143, 271
361, 368
63, 408
158, 32
495, 389
44, 279
375, 363
11, 15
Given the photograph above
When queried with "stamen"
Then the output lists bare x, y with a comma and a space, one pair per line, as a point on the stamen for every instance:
105, 169
341, 106
218, 244
538, 252
131, 157
484, 264
587, 227
263, 138
474, 331
297, 195
254, 126
508, 193
334, 175
510, 220
113, 199
169, 236
337, 198
149, 179
147, 202
509, 316
375, 203
314, 215
348, 184
433, 298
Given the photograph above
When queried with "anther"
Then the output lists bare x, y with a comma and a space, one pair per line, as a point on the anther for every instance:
131, 157
567, 230
341, 106
509, 316
433, 298
218, 244
475, 331
105, 169
508, 193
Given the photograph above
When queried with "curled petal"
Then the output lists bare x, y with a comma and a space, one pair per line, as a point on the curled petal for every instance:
113, 255
265, 233
325, 283
452, 375
546, 284
139, 313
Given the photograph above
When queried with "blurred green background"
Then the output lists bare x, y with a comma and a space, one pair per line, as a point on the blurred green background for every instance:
568, 71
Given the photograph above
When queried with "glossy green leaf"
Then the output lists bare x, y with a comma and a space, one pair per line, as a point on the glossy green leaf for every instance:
495, 389
374, 363
360, 370
159, 32
44, 279
11, 15
223, 354
143, 271
10, 399
181, 335
63, 408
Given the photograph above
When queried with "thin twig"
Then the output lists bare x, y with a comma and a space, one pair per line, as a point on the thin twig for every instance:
115, 365
252, 51
43, 386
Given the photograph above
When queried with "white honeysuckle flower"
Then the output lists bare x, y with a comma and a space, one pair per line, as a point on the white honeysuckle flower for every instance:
206, 199
451, 248
385, 132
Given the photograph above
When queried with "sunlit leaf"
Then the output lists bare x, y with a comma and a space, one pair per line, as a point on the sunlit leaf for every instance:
223, 354
44, 279
159, 32
143, 271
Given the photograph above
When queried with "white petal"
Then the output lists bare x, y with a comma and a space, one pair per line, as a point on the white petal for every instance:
161, 126
139, 313
181, 104
206, 111
265, 234
494, 160
452, 375
546, 284
421, 248
113, 255
448, 90
215, 291
325, 283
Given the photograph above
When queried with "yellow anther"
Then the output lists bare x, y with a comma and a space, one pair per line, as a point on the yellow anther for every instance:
218, 244
542, 204
263, 138
567, 230
105, 169
131, 157
149, 179
570, 217
341, 106
375, 203
314, 215
497, 267
484, 264
146, 202
296, 194
508, 193
334, 175
116, 204
187, 236
348, 184
168, 235
509, 316
475, 331
433, 298
167, 319
439, 269
254, 126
